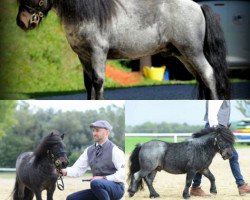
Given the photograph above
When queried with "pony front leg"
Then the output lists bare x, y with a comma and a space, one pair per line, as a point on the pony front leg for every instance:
211, 178
98, 62
189, 178
50, 192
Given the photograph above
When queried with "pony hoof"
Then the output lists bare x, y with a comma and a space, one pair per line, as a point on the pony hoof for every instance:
130, 194
213, 192
154, 196
186, 197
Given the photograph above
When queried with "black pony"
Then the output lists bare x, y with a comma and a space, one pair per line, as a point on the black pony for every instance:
190, 157
37, 171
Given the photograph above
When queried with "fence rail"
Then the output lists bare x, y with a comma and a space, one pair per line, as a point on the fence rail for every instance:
176, 135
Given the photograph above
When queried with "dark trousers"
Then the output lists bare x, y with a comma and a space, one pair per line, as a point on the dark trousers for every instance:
101, 189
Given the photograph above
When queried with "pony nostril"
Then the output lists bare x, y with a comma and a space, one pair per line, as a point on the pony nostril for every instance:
32, 25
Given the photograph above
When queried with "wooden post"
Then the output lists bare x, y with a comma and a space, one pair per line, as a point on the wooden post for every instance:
145, 61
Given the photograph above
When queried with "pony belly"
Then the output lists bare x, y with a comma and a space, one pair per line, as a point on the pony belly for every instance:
173, 170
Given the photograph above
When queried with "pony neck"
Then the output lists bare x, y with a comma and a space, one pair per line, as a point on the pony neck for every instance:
207, 144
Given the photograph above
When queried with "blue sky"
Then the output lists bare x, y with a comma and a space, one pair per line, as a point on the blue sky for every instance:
180, 111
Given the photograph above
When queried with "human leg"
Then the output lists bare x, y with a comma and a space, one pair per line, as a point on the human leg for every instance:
107, 190
82, 195
235, 168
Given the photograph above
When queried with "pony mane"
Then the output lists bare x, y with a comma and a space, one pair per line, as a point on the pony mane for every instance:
47, 142
203, 132
224, 132
75, 11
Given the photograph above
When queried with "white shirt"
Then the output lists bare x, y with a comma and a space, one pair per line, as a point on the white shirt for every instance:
213, 110
82, 165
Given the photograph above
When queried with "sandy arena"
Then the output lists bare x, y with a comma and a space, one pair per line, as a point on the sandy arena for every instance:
167, 185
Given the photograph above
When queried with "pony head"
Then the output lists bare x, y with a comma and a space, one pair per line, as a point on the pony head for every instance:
53, 147
224, 141
31, 12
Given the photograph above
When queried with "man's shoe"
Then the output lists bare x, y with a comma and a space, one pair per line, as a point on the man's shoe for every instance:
244, 189
197, 191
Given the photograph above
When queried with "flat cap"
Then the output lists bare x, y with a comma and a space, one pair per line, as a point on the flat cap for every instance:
101, 124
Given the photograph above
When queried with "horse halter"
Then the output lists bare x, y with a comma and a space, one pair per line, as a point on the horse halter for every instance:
57, 163
217, 145
37, 12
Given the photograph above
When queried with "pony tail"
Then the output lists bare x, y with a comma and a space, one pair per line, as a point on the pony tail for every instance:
14, 193
134, 166
215, 52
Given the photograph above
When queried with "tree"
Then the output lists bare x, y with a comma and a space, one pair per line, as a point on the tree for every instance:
7, 120
244, 107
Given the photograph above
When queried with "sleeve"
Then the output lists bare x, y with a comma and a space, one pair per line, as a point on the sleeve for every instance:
80, 166
213, 110
118, 159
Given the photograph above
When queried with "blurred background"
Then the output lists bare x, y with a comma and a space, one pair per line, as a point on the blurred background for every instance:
24, 123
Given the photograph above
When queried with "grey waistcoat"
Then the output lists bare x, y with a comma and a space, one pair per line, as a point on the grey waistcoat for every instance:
223, 115
102, 164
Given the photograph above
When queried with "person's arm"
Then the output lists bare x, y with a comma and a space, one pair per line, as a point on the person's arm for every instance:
118, 159
213, 109
79, 167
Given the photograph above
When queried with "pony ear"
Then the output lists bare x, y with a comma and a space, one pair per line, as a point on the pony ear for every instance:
62, 136
51, 134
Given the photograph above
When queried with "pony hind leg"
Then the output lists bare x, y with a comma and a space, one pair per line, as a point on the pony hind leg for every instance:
205, 76
149, 181
136, 183
211, 178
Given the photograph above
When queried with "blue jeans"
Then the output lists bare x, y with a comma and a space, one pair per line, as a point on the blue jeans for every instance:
100, 190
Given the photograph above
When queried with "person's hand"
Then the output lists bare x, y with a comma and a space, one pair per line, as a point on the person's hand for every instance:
64, 172
98, 177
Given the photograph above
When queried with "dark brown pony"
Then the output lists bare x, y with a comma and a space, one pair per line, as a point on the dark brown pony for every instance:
37, 171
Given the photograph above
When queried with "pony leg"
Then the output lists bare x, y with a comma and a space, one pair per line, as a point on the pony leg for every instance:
28, 194
50, 192
206, 74
136, 181
211, 178
149, 181
87, 74
189, 178
38, 195
98, 62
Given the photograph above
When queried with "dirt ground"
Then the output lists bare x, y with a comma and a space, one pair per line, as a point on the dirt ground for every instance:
167, 185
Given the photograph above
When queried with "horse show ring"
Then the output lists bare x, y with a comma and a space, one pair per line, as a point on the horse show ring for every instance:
167, 185
170, 186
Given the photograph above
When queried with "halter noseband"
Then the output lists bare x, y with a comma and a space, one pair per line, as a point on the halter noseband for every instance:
37, 12
217, 145
57, 163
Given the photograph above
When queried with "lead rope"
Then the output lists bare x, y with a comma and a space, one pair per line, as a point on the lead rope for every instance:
59, 182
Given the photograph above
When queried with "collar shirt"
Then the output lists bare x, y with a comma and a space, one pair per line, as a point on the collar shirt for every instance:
82, 165
217, 112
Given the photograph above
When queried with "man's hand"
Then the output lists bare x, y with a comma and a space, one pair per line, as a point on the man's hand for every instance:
98, 177
64, 172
